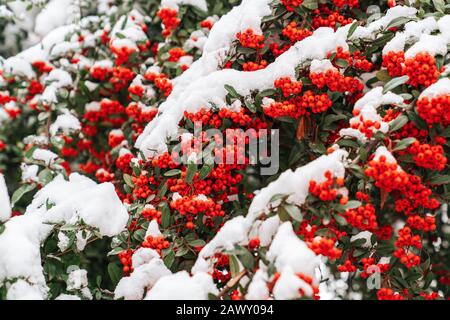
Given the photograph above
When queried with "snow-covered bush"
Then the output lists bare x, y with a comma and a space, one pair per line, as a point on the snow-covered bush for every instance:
115, 177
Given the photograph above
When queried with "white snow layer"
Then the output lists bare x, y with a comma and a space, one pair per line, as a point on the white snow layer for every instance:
79, 198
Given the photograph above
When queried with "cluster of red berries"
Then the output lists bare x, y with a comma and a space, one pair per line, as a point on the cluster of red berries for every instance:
394, 62
291, 5
42, 66
193, 206
363, 218
428, 157
156, 243
421, 70
326, 191
355, 59
140, 114
350, 3
318, 103
115, 138
123, 54
254, 66
367, 127
294, 34
161, 81
123, 162
388, 294
125, 258
151, 213
348, 266
435, 110
249, 39
427, 224
170, 20
103, 175
388, 176
283, 109
289, 87
335, 81
175, 54
325, 247
254, 244
406, 240
325, 17
221, 272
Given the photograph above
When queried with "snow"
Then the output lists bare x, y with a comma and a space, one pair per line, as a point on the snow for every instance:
181, 286
18, 67
65, 122
375, 98
22, 290
321, 66
77, 280
148, 269
441, 87
257, 289
96, 205
201, 4
288, 286
413, 31
80, 197
291, 254
5, 207
432, 44
373, 28
46, 156
234, 231
55, 14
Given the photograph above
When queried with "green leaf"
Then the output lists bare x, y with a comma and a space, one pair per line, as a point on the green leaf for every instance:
234, 266
394, 83
197, 243
190, 174
439, 5
128, 180
250, 106
383, 76
232, 92
283, 214
294, 212
440, 180
340, 219
169, 259
204, 172
165, 216
115, 273
19, 193
352, 29
398, 22
352, 204
342, 63
115, 251
172, 173
310, 4
398, 123
404, 143
45, 176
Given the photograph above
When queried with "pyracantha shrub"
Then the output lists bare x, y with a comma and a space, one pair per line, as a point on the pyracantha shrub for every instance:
123, 176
